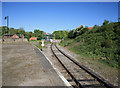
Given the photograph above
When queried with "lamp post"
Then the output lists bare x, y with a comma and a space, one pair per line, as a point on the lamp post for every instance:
7, 18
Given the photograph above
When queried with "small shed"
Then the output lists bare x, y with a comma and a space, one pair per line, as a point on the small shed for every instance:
33, 38
15, 36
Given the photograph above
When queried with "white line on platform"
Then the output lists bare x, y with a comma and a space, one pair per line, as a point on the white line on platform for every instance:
58, 72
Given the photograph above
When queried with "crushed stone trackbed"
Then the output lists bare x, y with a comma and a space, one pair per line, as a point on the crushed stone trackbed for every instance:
105, 71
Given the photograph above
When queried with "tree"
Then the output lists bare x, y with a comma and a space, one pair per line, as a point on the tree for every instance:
4, 30
105, 22
29, 34
71, 34
21, 31
38, 33
12, 31
60, 34
77, 32
65, 33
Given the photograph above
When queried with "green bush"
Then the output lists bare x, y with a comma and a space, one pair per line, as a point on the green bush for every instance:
102, 41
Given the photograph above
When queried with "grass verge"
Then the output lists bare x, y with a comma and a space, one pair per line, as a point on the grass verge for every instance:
80, 49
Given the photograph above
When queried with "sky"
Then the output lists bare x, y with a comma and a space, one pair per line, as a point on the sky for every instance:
53, 16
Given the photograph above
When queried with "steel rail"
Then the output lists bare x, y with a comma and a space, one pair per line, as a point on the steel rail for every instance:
73, 78
98, 78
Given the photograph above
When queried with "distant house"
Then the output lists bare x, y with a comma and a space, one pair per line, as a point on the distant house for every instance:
33, 38
90, 28
13, 36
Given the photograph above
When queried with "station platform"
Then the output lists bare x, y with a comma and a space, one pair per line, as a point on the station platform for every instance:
25, 65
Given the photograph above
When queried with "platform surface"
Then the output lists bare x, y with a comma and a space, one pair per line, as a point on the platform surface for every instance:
25, 65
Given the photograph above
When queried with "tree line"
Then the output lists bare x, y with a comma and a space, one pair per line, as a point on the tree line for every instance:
70, 34
37, 33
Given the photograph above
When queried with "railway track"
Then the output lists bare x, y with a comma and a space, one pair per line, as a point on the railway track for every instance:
80, 75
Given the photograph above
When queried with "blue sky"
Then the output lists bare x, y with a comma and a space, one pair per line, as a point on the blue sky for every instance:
51, 16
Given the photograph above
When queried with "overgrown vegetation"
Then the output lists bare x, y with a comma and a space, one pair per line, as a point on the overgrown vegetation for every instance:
101, 42
40, 42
